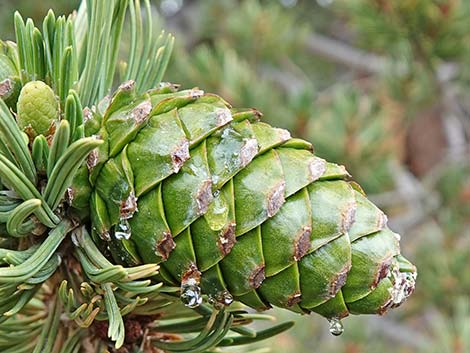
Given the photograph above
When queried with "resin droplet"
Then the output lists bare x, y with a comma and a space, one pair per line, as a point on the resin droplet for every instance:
191, 294
221, 299
122, 229
336, 327
225, 298
217, 212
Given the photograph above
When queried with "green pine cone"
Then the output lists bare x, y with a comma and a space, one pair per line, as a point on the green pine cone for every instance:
235, 208
38, 109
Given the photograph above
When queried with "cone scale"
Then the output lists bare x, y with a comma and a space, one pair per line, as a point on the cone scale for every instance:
235, 207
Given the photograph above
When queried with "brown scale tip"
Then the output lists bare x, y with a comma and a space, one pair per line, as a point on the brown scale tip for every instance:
302, 243
317, 168
127, 86
342, 315
248, 151
92, 159
191, 275
165, 246
382, 220
128, 206
223, 116
283, 134
257, 277
180, 155
256, 113
338, 281
196, 93
382, 272
87, 114
5, 87
348, 216
227, 239
141, 112
276, 198
204, 197
294, 299
105, 235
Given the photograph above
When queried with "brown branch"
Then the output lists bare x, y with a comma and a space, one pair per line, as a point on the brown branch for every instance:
361, 60
345, 54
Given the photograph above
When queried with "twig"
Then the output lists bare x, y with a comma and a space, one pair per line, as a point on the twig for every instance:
454, 117
361, 60
344, 54
289, 82
409, 192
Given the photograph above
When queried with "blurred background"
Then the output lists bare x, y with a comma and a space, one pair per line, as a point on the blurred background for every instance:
380, 86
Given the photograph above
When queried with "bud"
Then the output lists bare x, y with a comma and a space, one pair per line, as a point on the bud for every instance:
37, 108
10, 84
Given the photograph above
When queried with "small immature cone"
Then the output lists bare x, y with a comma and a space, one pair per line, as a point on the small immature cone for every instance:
10, 83
38, 109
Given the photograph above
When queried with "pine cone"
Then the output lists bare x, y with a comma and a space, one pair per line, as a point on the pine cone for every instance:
228, 203
38, 109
